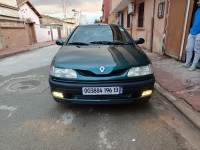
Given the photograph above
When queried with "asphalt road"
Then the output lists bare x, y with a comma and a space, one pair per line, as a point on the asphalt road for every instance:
31, 120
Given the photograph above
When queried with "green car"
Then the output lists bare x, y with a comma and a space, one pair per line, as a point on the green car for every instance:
101, 64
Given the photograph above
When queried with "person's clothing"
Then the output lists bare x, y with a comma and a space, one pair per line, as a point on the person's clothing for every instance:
196, 24
193, 44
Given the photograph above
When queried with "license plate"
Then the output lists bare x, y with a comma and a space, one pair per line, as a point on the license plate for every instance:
102, 90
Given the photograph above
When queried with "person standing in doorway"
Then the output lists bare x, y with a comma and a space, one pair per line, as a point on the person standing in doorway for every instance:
193, 43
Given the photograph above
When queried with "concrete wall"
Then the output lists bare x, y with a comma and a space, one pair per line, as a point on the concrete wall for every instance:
50, 20
42, 34
48, 33
26, 12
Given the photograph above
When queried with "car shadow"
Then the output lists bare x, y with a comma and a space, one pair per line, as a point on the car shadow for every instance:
108, 108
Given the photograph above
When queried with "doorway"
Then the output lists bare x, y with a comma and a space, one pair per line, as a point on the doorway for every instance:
195, 7
193, 13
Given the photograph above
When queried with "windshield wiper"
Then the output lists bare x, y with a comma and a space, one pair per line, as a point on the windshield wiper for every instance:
121, 43
110, 43
101, 42
78, 43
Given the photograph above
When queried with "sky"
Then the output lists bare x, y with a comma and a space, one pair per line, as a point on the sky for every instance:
90, 8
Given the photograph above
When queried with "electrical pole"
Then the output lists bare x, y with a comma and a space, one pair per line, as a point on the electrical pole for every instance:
64, 9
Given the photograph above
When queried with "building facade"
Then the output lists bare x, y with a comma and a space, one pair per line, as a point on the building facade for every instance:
12, 30
140, 18
9, 10
164, 24
105, 10
28, 12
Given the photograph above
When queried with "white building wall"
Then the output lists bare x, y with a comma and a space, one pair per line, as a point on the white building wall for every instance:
43, 34
63, 34
55, 33
83, 20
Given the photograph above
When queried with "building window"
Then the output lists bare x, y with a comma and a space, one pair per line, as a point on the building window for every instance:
122, 19
141, 15
128, 20
161, 9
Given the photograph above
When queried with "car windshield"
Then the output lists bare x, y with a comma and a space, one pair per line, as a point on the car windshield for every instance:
99, 34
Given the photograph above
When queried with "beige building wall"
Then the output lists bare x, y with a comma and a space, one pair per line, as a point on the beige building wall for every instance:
10, 9
145, 31
50, 20
9, 12
159, 27
9, 2
114, 4
112, 19
71, 20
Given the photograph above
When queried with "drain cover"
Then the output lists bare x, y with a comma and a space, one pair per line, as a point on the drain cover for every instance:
23, 85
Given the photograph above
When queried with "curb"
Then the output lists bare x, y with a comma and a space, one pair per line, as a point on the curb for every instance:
22, 51
181, 105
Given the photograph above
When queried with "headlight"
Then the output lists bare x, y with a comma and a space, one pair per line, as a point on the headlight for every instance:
63, 73
140, 71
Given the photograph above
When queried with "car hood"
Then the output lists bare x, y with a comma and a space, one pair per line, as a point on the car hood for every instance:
91, 58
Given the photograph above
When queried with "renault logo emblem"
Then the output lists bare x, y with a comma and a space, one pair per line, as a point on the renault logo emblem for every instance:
102, 68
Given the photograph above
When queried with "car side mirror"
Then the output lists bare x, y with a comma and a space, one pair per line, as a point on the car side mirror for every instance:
140, 41
60, 42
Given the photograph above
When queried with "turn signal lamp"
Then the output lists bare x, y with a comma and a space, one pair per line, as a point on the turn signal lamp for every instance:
146, 93
57, 94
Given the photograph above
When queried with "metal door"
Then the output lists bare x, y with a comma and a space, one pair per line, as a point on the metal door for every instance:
175, 27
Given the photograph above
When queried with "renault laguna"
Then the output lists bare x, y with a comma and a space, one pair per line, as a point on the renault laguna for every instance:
101, 64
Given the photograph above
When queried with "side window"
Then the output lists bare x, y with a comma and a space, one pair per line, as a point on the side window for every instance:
141, 15
120, 34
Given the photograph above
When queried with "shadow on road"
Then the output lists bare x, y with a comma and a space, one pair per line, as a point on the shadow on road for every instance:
110, 109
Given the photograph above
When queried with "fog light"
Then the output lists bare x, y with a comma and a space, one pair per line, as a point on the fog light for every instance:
57, 94
146, 93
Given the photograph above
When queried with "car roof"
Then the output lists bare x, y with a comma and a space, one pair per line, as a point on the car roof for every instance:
98, 24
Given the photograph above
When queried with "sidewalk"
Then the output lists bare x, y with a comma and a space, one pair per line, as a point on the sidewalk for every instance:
179, 81
13, 51
180, 86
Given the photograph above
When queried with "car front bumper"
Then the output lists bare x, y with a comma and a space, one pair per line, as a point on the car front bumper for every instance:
72, 92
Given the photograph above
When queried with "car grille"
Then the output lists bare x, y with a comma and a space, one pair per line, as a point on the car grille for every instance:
91, 74
134, 94
102, 97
